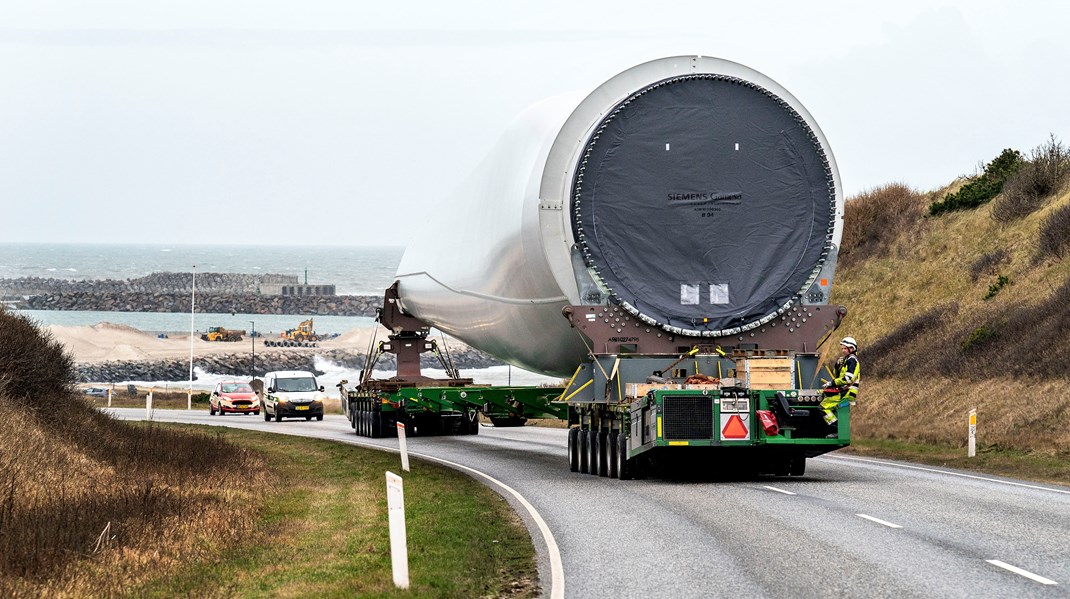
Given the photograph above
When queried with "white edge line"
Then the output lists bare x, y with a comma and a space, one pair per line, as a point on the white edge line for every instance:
777, 490
557, 573
878, 521
949, 473
1021, 572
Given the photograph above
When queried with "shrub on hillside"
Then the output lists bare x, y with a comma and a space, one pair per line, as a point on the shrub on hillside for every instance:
982, 188
1045, 174
874, 219
34, 364
988, 263
1053, 239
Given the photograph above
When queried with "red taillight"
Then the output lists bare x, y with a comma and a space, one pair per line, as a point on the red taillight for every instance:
769, 422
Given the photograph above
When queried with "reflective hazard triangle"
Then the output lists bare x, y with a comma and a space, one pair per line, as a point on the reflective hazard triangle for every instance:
735, 428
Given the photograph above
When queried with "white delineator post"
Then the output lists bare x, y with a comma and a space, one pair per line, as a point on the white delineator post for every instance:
109, 398
148, 406
971, 450
399, 550
403, 447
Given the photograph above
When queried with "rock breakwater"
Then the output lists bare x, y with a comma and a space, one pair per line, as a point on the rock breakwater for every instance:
240, 365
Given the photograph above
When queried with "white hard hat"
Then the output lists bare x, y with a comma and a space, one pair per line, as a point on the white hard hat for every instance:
849, 342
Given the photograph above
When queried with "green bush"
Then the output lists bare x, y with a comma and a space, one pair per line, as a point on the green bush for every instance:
978, 337
994, 288
982, 188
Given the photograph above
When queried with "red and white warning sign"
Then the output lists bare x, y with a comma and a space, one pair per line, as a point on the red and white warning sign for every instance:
736, 427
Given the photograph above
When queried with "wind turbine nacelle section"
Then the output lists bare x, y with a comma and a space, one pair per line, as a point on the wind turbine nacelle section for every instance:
694, 192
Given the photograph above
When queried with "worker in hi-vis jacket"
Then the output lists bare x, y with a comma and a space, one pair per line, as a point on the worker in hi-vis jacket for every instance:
844, 387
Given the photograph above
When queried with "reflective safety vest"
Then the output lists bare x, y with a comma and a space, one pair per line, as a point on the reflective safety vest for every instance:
848, 375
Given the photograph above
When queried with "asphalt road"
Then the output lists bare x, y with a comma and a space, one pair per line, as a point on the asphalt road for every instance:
851, 527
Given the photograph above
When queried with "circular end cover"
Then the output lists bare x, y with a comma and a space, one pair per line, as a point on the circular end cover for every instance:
704, 204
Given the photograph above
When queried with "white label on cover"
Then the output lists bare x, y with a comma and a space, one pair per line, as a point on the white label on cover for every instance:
689, 294
719, 293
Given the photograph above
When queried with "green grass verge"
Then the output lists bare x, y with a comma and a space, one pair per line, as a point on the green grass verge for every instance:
324, 531
989, 459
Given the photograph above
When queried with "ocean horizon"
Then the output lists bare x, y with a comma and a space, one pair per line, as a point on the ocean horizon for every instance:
353, 270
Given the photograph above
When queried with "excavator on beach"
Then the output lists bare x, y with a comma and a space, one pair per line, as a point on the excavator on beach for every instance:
301, 336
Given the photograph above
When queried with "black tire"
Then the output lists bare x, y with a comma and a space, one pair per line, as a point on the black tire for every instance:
624, 465
267, 417
603, 454
573, 452
377, 424
211, 409
307, 418
319, 417
797, 465
278, 415
585, 465
612, 455
592, 452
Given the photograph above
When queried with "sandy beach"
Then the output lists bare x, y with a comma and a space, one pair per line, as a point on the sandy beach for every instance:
106, 342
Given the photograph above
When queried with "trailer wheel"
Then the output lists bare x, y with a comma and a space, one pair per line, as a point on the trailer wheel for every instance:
603, 454
612, 455
377, 424
797, 465
573, 452
585, 464
592, 452
624, 465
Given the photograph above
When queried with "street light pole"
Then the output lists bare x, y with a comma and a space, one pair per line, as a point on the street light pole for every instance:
252, 338
192, 310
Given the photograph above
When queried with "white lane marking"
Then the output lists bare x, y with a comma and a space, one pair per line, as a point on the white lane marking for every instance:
557, 572
984, 478
879, 521
777, 490
1021, 572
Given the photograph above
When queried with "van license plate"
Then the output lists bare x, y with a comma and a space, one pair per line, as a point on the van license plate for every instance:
302, 407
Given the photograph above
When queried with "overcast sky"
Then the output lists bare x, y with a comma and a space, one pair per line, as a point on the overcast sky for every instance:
200, 121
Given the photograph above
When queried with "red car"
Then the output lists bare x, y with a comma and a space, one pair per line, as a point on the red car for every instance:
233, 396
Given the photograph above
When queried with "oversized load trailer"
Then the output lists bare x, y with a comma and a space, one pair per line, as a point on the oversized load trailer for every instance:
687, 210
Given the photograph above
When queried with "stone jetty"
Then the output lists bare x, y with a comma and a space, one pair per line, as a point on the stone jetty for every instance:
170, 292
239, 365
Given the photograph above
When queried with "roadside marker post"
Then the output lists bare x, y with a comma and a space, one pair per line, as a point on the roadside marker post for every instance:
403, 447
109, 398
972, 448
399, 551
148, 406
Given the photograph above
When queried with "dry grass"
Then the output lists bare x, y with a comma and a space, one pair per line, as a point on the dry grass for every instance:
880, 221
92, 506
1019, 414
934, 345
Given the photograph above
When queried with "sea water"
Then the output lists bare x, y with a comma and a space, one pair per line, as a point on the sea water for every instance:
354, 270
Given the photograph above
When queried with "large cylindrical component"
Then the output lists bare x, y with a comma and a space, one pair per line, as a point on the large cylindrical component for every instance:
695, 192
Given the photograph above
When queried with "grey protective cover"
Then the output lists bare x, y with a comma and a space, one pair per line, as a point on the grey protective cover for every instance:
704, 203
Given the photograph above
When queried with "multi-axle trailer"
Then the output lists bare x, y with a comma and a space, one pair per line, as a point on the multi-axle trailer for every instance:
684, 218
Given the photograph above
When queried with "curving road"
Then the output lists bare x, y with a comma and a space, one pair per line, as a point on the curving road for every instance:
850, 527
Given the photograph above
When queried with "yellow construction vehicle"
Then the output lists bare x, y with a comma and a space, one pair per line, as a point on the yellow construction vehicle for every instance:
300, 336
221, 334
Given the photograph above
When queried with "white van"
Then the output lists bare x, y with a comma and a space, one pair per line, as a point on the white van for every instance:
291, 394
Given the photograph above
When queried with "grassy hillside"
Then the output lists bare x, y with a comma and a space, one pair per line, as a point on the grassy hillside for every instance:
968, 308
94, 507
